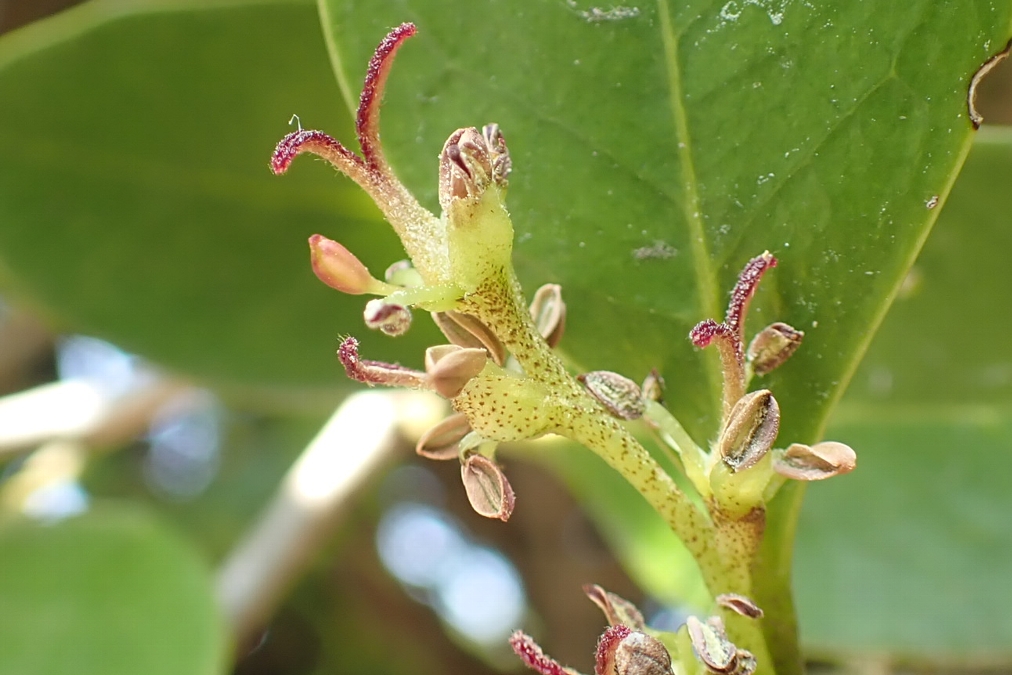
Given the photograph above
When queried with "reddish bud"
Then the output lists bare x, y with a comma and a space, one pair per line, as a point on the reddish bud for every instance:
337, 267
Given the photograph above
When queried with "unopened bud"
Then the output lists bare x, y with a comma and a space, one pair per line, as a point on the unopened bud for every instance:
618, 610
711, 645
740, 604
449, 368
548, 311
443, 440
391, 318
402, 273
486, 486
618, 394
750, 430
498, 153
337, 267
623, 651
465, 167
818, 462
772, 346
465, 330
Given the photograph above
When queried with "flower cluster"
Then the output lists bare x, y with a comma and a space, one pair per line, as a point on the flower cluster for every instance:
505, 382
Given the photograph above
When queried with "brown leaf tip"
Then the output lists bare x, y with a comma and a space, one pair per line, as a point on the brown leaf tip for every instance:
976, 119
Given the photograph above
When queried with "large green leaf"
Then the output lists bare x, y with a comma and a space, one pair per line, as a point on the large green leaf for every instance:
908, 556
911, 553
106, 593
714, 129
135, 198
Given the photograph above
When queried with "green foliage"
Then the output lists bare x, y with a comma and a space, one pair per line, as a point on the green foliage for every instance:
654, 152
110, 592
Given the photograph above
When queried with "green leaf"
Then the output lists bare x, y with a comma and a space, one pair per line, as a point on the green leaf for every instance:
108, 592
910, 553
136, 202
714, 129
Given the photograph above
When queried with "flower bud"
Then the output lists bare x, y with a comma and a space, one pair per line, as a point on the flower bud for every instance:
391, 318
449, 368
486, 486
750, 430
623, 651
818, 462
548, 311
443, 440
465, 167
711, 645
619, 395
337, 267
772, 346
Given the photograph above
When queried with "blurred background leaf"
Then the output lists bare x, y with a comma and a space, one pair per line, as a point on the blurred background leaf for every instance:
113, 591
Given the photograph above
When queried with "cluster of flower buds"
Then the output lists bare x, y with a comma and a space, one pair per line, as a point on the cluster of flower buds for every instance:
744, 468
629, 647
460, 271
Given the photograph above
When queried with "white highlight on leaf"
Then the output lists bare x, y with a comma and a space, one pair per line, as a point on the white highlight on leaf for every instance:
597, 15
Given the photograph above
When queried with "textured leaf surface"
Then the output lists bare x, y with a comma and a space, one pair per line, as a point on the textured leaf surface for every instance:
910, 553
109, 592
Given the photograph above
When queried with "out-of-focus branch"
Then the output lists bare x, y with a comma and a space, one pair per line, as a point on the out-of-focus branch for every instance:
78, 410
356, 440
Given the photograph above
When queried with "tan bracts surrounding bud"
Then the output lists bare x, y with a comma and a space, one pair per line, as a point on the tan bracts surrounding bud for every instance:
466, 331
772, 346
740, 604
443, 440
619, 395
750, 431
818, 462
449, 367
486, 486
548, 312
